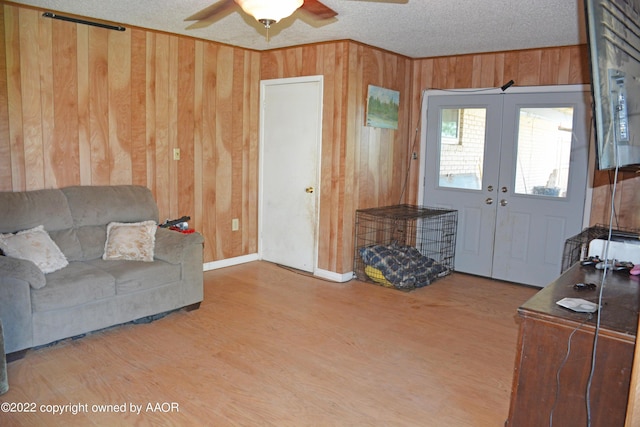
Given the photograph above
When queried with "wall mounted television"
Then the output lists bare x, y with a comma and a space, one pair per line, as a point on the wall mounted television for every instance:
613, 28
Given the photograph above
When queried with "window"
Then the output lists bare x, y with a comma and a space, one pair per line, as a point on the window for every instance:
450, 123
462, 147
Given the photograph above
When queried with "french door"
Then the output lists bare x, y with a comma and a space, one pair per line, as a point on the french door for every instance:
514, 165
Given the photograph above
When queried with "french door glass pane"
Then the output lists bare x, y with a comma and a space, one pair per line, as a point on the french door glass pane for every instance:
462, 140
544, 149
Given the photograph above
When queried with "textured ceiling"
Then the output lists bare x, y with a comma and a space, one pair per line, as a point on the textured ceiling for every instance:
418, 29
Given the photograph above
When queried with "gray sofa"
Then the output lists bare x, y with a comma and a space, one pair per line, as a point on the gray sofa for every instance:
90, 293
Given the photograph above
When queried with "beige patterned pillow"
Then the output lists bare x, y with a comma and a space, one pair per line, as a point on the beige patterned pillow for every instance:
132, 241
34, 245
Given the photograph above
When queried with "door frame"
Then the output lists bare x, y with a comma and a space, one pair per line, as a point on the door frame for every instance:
282, 81
514, 89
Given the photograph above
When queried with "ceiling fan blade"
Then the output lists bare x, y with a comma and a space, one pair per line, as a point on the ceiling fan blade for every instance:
319, 10
216, 8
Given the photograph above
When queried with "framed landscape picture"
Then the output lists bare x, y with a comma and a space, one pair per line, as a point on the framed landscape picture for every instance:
382, 107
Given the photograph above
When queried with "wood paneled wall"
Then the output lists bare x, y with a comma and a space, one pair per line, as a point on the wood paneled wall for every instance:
361, 166
626, 204
83, 105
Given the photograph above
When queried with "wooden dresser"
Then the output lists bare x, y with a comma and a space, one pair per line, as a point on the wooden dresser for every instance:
543, 340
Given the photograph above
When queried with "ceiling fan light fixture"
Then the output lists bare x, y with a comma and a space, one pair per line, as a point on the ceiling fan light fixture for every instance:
268, 11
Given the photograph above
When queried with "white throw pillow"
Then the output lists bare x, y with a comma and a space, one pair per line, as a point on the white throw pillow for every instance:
34, 245
133, 241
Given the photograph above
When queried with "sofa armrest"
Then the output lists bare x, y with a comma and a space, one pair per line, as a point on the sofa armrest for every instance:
22, 269
15, 313
171, 246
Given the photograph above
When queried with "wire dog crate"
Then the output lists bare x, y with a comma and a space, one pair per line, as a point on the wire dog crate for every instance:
576, 247
430, 231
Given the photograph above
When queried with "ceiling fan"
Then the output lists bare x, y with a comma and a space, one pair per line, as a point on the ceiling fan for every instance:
268, 12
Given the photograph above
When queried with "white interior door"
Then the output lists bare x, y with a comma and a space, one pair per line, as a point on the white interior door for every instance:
514, 165
291, 135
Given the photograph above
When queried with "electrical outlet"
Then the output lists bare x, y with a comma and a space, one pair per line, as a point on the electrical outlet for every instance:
176, 154
235, 224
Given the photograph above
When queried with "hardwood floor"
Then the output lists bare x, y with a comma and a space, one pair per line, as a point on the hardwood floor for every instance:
272, 347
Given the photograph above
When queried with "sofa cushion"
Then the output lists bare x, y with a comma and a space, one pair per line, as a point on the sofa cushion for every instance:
74, 285
27, 209
132, 276
68, 242
36, 246
130, 241
23, 210
92, 239
93, 207
100, 205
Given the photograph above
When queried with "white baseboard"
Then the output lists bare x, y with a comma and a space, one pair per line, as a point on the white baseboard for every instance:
324, 274
214, 265
333, 276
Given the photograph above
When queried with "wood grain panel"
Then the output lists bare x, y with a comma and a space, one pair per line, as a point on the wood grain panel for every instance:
236, 148
549, 64
150, 110
198, 218
32, 122
251, 153
352, 113
330, 186
84, 120
486, 77
162, 119
65, 161
6, 183
119, 106
464, 71
579, 71
529, 68
172, 135
223, 141
46, 90
627, 198
138, 89
185, 191
511, 67
99, 106
336, 56
209, 150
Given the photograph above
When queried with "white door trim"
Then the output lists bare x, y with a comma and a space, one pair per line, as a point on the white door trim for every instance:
488, 91
293, 80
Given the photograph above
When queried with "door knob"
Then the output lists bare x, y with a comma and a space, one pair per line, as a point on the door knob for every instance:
309, 190
489, 200
503, 189
503, 202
